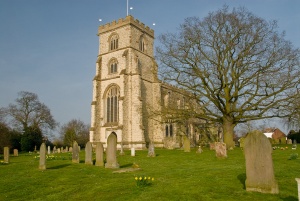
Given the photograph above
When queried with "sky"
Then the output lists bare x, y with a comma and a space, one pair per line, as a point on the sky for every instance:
50, 47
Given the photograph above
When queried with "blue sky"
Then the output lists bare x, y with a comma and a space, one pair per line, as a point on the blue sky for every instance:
50, 47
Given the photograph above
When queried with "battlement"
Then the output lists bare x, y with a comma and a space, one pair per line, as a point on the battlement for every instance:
125, 21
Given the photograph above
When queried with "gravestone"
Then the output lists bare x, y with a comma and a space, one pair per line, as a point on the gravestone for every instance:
16, 152
67, 149
242, 142
58, 150
88, 154
259, 164
6, 154
294, 146
111, 152
289, 141
42, 165
99, 154
221, 151
199, 150
71, 149
151, 151
132, 151
75, 153
186, 144
54, 150
49, 150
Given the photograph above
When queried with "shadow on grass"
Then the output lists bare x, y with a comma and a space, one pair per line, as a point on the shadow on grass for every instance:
242, 178
289, 198
58, 166
126, 165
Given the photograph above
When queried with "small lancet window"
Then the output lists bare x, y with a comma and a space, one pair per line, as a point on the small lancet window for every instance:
142, 44
113, 66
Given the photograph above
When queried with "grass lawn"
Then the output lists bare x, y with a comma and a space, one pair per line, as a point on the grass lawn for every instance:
177, 176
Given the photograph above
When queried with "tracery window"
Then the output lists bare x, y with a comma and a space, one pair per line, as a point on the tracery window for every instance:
113, 66
112, 105
114, 42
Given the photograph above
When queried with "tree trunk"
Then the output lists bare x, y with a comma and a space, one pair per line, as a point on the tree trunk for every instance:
228, 127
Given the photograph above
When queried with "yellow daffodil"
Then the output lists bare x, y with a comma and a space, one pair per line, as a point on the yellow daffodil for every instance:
136, 178
141, 178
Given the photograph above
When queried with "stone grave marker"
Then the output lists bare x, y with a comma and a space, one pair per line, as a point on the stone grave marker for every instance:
186, 144
42, 165
132, 151
75, 153
111, 152
259, 164
49, 151
99, 154
151, 151
58, 150
221, 151
54, 150
71, 149
16, 152
289, 141
199, 150
6, 154
298, 185
88, 154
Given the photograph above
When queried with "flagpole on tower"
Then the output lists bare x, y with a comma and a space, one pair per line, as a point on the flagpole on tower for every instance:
127, 8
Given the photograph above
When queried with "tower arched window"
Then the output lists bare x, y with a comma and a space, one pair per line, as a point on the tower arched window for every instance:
113, 66
112, 105
142, 44
114, 42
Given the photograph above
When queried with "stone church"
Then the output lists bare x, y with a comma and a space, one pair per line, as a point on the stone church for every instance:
126, 88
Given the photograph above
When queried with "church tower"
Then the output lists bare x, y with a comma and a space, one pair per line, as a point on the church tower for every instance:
125, 87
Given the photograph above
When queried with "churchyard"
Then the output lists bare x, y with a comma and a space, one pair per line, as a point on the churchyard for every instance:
178, 175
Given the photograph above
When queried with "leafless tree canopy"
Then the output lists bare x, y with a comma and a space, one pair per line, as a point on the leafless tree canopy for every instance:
28, 111
238, 66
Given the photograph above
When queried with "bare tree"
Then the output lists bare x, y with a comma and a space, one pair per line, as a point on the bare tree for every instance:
75, 130
238, 67
28, 111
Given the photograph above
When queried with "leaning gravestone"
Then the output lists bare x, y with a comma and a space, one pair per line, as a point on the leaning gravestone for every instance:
99, 154
186, 144
88, 154
6, 154
42, 165
259, 164
111, 152
151, 151
75, 153
221, 151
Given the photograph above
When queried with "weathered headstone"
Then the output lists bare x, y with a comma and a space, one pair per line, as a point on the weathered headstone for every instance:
151, 151
132, 151
75, 153
221, 151
67, 149
242, 142
16, 152
71, 149
289, 141
54, 150
42, 165
186, 144
58, 150
199, 150
6, 154
294, 146
111, 152
259, 164
49, 151
99, 154
88, 154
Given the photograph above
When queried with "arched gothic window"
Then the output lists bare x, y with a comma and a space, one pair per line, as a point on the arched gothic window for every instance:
112, 105
113, 66
142, 44
114, 40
